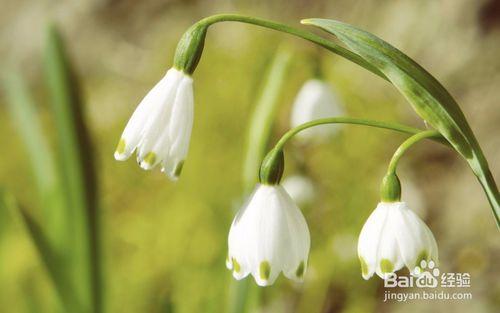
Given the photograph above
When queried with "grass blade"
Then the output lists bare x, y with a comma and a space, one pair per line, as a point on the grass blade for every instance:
261, 121
24, 115
77, 172
48, 255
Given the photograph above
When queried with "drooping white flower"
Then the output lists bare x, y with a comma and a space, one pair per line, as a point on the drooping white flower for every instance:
300, 188
315, 100
269, 235
392, 237
160, 127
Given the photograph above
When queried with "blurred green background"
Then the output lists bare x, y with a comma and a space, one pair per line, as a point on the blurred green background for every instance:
164, 244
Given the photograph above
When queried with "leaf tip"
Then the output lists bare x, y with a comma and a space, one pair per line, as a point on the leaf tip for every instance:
306, 21
311, 21
329, 25
51, 29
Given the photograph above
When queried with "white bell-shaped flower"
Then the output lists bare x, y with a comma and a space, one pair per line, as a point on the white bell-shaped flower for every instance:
269, 235
315, 100
392, 237
160, 127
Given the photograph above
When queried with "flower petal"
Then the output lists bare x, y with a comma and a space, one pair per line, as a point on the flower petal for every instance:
369, 239
300, 240
411, 238
135, 127
179, 130
160, 114
388, 253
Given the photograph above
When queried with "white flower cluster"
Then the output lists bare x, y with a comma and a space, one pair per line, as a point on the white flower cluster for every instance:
269, 235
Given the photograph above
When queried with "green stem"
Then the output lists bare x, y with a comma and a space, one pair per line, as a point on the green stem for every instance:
349, 120
390, 190
339, 50
428, 134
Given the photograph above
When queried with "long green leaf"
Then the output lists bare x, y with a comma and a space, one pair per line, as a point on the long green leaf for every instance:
77, 173
45, 249
24, 115
426, 95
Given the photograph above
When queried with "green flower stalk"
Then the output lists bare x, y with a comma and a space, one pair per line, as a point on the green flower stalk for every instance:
390, 190
202, 25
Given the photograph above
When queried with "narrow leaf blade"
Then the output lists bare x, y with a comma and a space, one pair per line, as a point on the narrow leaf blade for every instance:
49, 257
261, 121
77, 171
427, 96
25, 117
424, 92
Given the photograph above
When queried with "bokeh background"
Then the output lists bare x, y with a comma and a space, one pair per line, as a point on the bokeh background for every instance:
163, 243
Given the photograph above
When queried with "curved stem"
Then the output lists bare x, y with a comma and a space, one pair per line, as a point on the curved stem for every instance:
350, 120
478, 164
428, 134
339, 50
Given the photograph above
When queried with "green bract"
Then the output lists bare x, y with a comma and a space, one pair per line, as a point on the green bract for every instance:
426, 95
